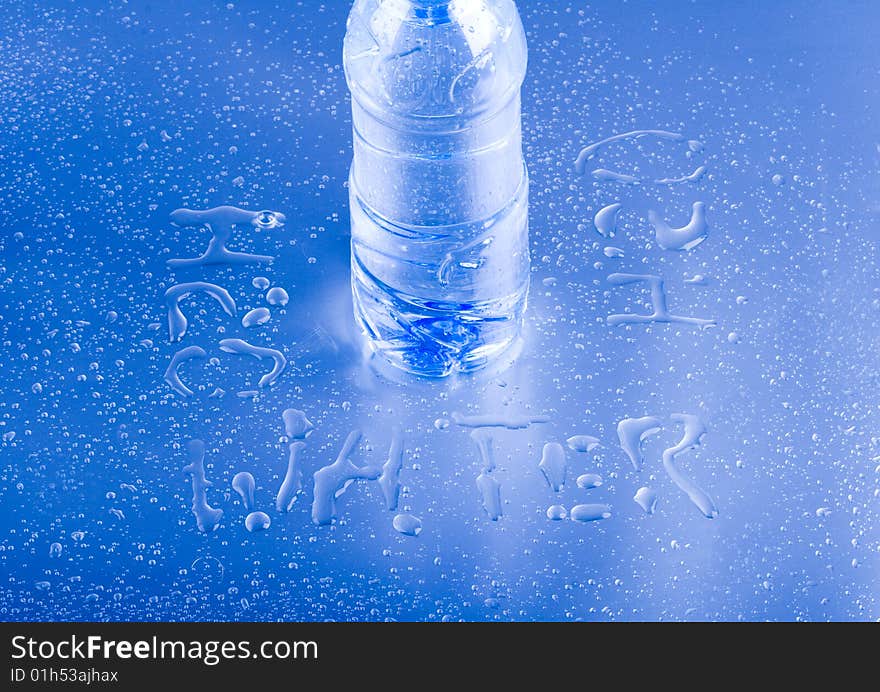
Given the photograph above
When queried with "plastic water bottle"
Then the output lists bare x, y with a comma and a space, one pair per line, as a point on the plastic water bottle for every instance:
438, 187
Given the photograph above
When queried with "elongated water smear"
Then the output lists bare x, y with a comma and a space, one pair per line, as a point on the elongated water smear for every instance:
484, 441
511, 421
605, 219
589, 151
694, 429
698, 173
207, 517
291, 486
582, 443
331, 481
660, 312
171, 375
590, 512
258, 352
614, 176
221, 221
490, 490
487, 484
177, 323
553, 465
632, 432
684, 238
389, 481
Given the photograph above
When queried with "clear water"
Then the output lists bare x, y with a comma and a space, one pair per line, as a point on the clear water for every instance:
115, 114
438, 188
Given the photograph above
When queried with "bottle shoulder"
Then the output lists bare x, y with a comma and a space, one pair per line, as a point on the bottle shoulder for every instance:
426, 60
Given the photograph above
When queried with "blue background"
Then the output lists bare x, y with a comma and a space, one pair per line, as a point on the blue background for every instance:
786, 383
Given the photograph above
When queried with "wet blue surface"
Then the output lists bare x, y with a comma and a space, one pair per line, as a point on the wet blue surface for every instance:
116, 114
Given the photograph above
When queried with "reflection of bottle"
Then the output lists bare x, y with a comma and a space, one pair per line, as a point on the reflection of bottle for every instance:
439, 192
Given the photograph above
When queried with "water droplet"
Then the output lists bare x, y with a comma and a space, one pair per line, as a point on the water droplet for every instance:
590, 512
582, 443
257, 521
588, 481
556, 512
646, 498
277, 296
269, 219
243, 483
296, 425
407, 524
256, 317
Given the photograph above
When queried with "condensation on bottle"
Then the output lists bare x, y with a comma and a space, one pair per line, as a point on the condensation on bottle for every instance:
438, 187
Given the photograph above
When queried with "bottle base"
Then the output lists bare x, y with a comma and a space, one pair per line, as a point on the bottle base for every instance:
435, 364
437, 341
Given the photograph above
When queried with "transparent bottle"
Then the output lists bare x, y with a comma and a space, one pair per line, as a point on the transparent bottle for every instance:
438, 186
